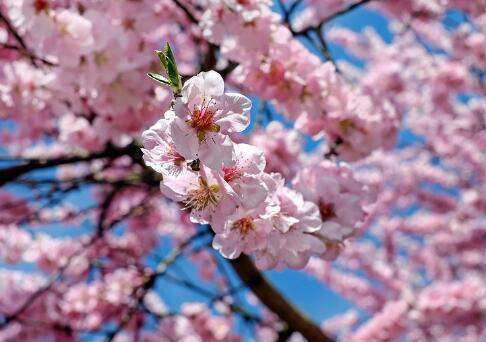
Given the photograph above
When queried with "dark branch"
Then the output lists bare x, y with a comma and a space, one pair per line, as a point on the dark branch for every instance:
186, 10
275, 301
23, 48
12, 173
333, 16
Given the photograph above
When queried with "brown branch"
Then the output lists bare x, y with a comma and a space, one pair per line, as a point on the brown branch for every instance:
287, 13
318, 31
62, 269
139, 292
333, 16
186, 10
23, 48
346, 10
276, 302
12, 173
324, 47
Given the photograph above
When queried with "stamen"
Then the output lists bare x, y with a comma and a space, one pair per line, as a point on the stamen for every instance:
200, 198
244, 225
231, 173
202, 118
326, 210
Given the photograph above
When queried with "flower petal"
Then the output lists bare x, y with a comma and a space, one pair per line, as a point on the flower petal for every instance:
203, 85
249, 159
251, 191
235, 114
213, 83
215, 150
185, 140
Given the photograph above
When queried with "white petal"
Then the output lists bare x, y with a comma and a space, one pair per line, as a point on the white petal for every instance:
180, 109
235, 115
213, 84
251, 191
185, 139
249, 158
215, 150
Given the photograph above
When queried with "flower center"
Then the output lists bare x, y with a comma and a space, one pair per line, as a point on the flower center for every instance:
231, 173
202, 118
41, 5
174, 156
326, 210
244, 225
205, 195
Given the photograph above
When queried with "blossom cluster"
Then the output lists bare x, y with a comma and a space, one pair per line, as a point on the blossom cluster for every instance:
310, 92
224, 184
86, 88
364, 166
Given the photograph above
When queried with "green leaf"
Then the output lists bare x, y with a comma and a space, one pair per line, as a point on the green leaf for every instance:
168, 61
162, 57
168, 53
171, 69
159, 78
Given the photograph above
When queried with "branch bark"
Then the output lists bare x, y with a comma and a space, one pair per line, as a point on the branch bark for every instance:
334, 16
276, 302
23, 48
12, 173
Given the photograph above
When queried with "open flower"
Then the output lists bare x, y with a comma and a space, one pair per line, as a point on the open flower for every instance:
204, 116
244, 176
340, 199
159, 150
202, 193
245, 231
290, 241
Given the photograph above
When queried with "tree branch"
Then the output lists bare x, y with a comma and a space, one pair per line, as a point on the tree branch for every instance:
140, 292
346, 10
188, 13
23, 48
12, 173
275, 301
333, 16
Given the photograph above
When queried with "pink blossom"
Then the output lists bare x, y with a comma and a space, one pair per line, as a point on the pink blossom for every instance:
196, 323
339, 198
208, 198
204, 115
245, 231
387, 325
120, 285
243, 176
391, 189
290, 242
159, 149
66, 34
281, 147
14, 243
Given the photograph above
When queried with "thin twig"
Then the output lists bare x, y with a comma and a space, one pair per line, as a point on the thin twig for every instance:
334, 16
12, 173
23, 49
186, 10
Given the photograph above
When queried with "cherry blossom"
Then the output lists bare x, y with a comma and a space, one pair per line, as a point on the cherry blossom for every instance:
204, 116
272, 135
